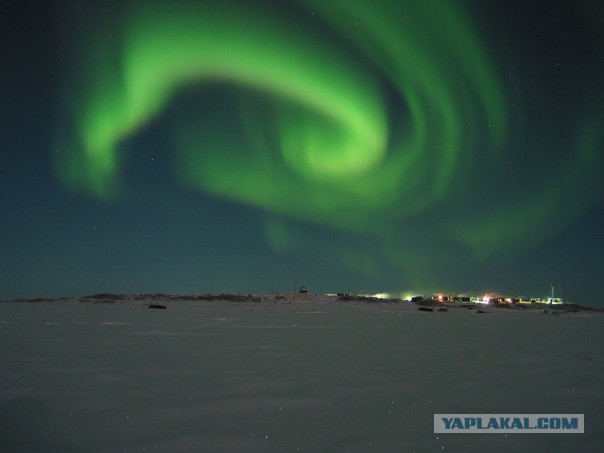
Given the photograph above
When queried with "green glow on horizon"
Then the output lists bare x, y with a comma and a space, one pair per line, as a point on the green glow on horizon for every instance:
327, 148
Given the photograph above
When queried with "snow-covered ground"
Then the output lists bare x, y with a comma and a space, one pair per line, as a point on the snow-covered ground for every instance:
298, 373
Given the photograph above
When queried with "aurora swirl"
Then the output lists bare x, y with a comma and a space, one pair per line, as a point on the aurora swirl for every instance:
364, 117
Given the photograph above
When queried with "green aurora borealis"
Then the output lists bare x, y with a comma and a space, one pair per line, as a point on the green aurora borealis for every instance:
392, 125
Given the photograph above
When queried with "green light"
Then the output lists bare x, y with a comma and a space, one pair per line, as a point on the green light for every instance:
366, 117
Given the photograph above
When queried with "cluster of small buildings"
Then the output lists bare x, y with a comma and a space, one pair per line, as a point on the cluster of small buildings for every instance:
491, 300
487, 299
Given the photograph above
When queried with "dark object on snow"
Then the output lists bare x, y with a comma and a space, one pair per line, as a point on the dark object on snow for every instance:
158, 307
426, 309
442, 309
481, 311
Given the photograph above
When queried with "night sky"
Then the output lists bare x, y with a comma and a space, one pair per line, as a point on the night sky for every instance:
349, 146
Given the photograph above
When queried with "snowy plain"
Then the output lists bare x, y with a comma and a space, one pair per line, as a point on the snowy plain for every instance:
289, 373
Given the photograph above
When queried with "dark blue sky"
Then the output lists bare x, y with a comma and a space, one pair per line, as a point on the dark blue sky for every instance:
536, 222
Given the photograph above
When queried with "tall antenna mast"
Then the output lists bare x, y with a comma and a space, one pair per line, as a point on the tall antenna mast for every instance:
552, 286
